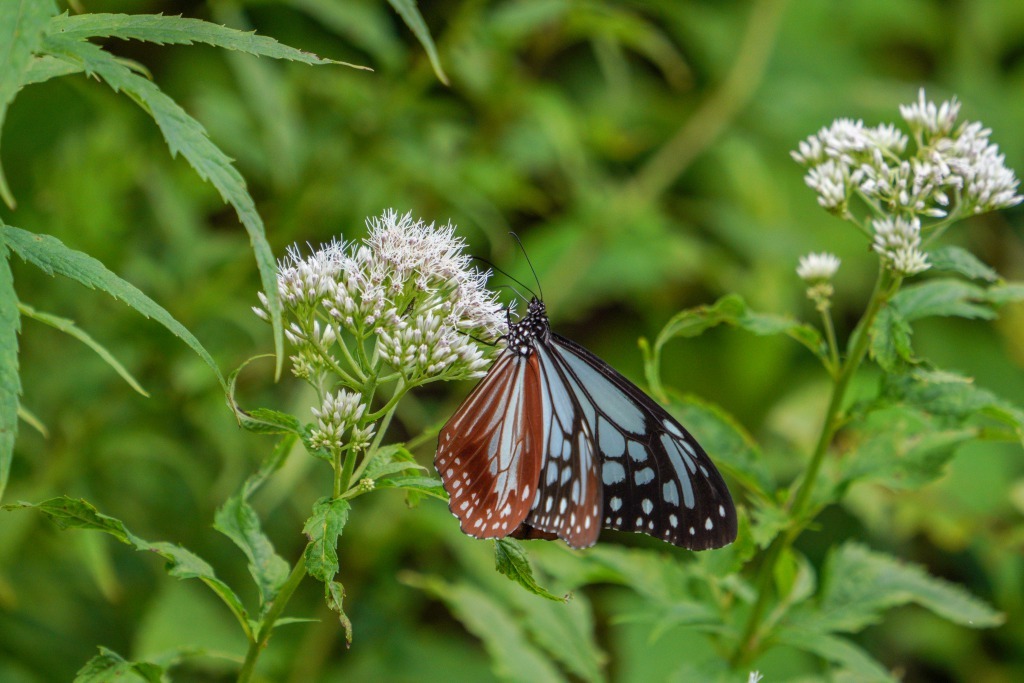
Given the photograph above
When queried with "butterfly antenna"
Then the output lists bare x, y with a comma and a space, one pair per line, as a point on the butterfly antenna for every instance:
499, 270
532, 269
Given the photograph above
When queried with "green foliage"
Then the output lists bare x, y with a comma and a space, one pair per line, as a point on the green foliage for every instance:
323, 529
109, 666
510, 559
54, 258
69, 513
640, 150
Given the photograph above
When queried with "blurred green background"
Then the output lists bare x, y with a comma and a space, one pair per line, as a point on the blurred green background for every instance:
640, 149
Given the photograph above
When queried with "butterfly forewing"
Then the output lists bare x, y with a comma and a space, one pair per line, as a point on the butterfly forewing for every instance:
656, 478
489, 453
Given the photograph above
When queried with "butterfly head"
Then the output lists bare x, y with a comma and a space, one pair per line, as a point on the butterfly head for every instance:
534, 325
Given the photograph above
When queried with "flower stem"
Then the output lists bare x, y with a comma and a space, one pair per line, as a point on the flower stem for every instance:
799, 503
267, 623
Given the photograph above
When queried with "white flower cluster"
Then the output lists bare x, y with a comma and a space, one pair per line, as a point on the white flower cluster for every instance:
338, 415
951, 168
817, 267
898, 241
408, 286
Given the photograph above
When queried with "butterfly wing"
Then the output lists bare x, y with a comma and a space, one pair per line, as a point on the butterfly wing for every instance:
489, 453
656, 478
568, 501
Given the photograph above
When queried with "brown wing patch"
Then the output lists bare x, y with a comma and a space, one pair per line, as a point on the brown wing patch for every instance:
489, 453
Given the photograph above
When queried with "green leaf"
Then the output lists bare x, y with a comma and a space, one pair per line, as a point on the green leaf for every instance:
187, 136
45, 67
110, 667
1006, 293
175, 30
860, 584
729, 310
943, 297
334, 594
510, 559
960, 261
953, 398
391, 459
68, 327
890, 340
513, 656
21, 33
71, 513
414, 20
837, 650
901, 447
425, 485
268, 421
10, 381
53, 257
237, 520
323, 529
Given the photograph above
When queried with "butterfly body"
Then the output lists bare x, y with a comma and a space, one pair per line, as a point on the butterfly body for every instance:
554, 442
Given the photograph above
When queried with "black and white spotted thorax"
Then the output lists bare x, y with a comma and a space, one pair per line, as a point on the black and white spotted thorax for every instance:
524, 332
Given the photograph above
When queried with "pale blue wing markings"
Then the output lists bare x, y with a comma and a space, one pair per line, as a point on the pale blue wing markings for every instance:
608, 398
637, 451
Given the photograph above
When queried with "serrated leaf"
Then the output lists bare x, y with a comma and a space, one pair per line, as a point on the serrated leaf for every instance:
942, 297
510, 560
952, 397
110, 667
901, 447
837, 650
10, 381
187, 136
860, 584
414, 20
54, 258
237, 520
69, 328
959, 260
175, 30
513, 657
334, 594
890, 340
22, 23
323, 529
72, 513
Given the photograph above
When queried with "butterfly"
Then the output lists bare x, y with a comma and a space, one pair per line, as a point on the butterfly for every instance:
554, 443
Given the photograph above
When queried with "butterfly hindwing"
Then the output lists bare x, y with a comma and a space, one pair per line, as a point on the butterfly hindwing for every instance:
656, 478
489, 453
568, 502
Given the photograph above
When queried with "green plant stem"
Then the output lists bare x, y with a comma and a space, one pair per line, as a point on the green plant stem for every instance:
372, 450
343, 478
798, 504
270, 618
830, 337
